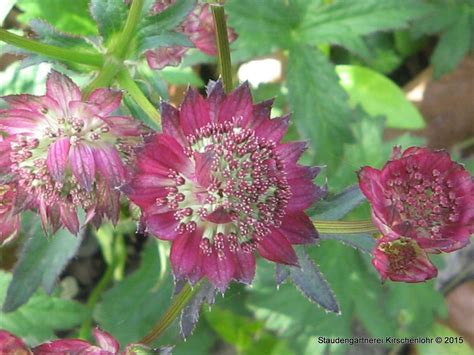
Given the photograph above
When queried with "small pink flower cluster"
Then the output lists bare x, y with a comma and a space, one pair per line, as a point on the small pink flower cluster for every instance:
106, 345
198, 26
63, 153
422, 202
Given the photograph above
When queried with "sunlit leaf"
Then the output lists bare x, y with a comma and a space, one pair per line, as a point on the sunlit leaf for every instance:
379, 96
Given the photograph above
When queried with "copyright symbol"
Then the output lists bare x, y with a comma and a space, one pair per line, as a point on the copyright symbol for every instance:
438, 340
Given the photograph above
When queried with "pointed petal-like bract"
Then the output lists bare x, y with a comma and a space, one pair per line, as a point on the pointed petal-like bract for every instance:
220, 186
58, 157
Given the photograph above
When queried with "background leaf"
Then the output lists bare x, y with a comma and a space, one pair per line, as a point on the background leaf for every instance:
41, 262
379, 96
110, 16
70, 16
320, 106
37, 320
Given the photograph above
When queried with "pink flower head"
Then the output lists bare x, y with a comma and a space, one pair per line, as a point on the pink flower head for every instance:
10, 344
198, 26
68, 152
423, 195
402, 259
106, 345
219, 184
9, 220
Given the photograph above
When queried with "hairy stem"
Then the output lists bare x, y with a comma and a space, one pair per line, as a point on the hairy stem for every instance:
345, 227
64, 54
104, 78
222, 45
123, 42
126, 82
178, 304
116, 54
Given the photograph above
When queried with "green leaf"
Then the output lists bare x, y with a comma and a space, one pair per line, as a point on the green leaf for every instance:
414, 315
337, 206
166, 20
17, 80
165, 39
50, 35
264, 26
454, 21
362, 242
453, 45
329, 23
309, 280
110, 16
379, 96
320, 106
457, 347
131, 308
37, 320
233, 328
70, 16
370, 148
41, 262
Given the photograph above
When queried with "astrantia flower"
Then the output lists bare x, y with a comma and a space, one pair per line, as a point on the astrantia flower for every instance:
10, 344
219, 184
423, 195
402, 259
69, 153
9, 220
106, 345
198, 26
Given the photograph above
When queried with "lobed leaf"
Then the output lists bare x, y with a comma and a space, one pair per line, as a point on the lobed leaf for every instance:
320, 106
40, 263
37, 320
110, 16
329, 23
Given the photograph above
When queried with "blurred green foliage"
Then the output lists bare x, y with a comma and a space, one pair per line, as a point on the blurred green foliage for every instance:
345, 125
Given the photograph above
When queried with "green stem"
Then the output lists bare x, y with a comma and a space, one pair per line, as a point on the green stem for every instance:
126, 82
86, 326
104, 78
222, 45
117, 52
178, 304
64, 54
345, 227
123, 42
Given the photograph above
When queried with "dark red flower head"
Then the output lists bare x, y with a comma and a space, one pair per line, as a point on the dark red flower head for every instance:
219, 184
423, 195
402, 259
